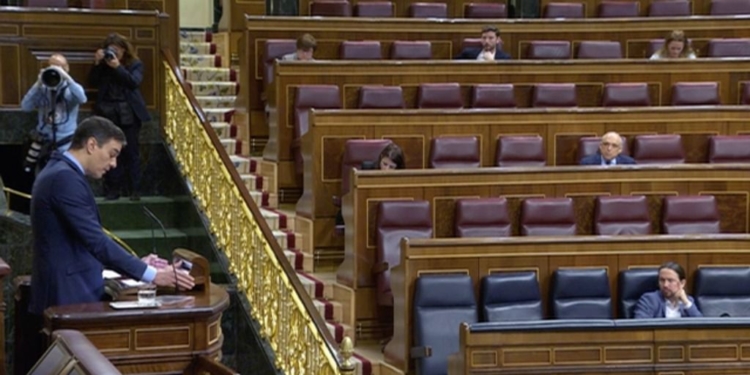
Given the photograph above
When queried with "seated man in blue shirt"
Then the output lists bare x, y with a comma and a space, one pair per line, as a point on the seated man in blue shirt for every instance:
609, 153
671, 300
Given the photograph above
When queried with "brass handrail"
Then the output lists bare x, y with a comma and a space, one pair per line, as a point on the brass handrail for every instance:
289, 320
8, 191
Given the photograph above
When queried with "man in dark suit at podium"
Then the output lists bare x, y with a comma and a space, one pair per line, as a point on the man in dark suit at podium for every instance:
70, 247
610, 152
491, 47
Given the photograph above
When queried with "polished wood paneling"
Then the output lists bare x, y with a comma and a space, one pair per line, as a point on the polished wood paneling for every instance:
401, 8
591, 7
583, 184
158, 341
448, 36
233, 20
351, 75
323, 145
665, 350
480, 257
36, 33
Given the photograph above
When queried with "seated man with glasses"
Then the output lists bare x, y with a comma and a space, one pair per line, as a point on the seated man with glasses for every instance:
609, 153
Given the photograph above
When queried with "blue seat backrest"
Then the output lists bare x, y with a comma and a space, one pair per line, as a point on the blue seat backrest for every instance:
723, 291
631, 285
511, 296
441, 303
581, 294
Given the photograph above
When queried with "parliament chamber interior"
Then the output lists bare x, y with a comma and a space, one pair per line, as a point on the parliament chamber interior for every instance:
428, 187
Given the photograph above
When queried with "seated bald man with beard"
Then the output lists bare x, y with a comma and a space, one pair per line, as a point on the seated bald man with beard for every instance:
609, 153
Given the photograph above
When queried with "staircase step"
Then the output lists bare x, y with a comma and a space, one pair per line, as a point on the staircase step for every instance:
219, 114
284, 217
241, 163
197, 48
264, 199
195, 36
202, 74
222, 129
289, 217
230, 145
274, 220
255, 182
287, 239
209, 88
339, 331
217, 101
299, 260
330, 310
208, 61
317, 286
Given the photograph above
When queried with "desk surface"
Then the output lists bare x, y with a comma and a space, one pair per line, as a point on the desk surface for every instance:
204, 306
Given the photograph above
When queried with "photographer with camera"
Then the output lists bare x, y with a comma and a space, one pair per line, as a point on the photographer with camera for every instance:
57, 97
118, 74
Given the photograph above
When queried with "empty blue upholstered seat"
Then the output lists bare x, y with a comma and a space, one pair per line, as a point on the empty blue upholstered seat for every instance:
511, 296
723, 291
441, 303
581, 294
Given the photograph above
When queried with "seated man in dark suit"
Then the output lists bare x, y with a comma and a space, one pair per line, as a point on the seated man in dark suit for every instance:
609, 152
491, 47
671, 300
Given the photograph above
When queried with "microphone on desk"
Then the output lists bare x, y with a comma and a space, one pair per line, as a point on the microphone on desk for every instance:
156, 220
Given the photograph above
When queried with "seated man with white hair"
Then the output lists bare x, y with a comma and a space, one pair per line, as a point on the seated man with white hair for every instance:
609, 153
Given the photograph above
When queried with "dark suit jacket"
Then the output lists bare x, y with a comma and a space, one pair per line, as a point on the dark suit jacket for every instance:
596, 159
473, 53
129, 77
652, 305
70, 246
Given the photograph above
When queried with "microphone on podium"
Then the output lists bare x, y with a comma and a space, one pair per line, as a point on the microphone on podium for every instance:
156, 220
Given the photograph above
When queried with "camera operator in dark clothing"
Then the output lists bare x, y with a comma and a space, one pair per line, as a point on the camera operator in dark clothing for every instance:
56, 97
118, 74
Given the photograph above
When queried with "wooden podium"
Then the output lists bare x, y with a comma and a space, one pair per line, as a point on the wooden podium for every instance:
154, 341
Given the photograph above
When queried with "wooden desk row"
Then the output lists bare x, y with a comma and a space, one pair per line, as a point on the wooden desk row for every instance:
729, 184
480, 257
591, 7
447, 38
351, 75
28, 36
455, 7
617, 347
561, 129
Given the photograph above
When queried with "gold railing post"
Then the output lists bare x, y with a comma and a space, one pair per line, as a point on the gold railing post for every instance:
346, 350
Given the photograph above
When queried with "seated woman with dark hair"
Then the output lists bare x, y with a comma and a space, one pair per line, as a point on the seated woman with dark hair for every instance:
390, 158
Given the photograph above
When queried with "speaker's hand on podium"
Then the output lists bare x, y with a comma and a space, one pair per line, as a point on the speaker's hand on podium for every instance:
153, 260
169, 276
